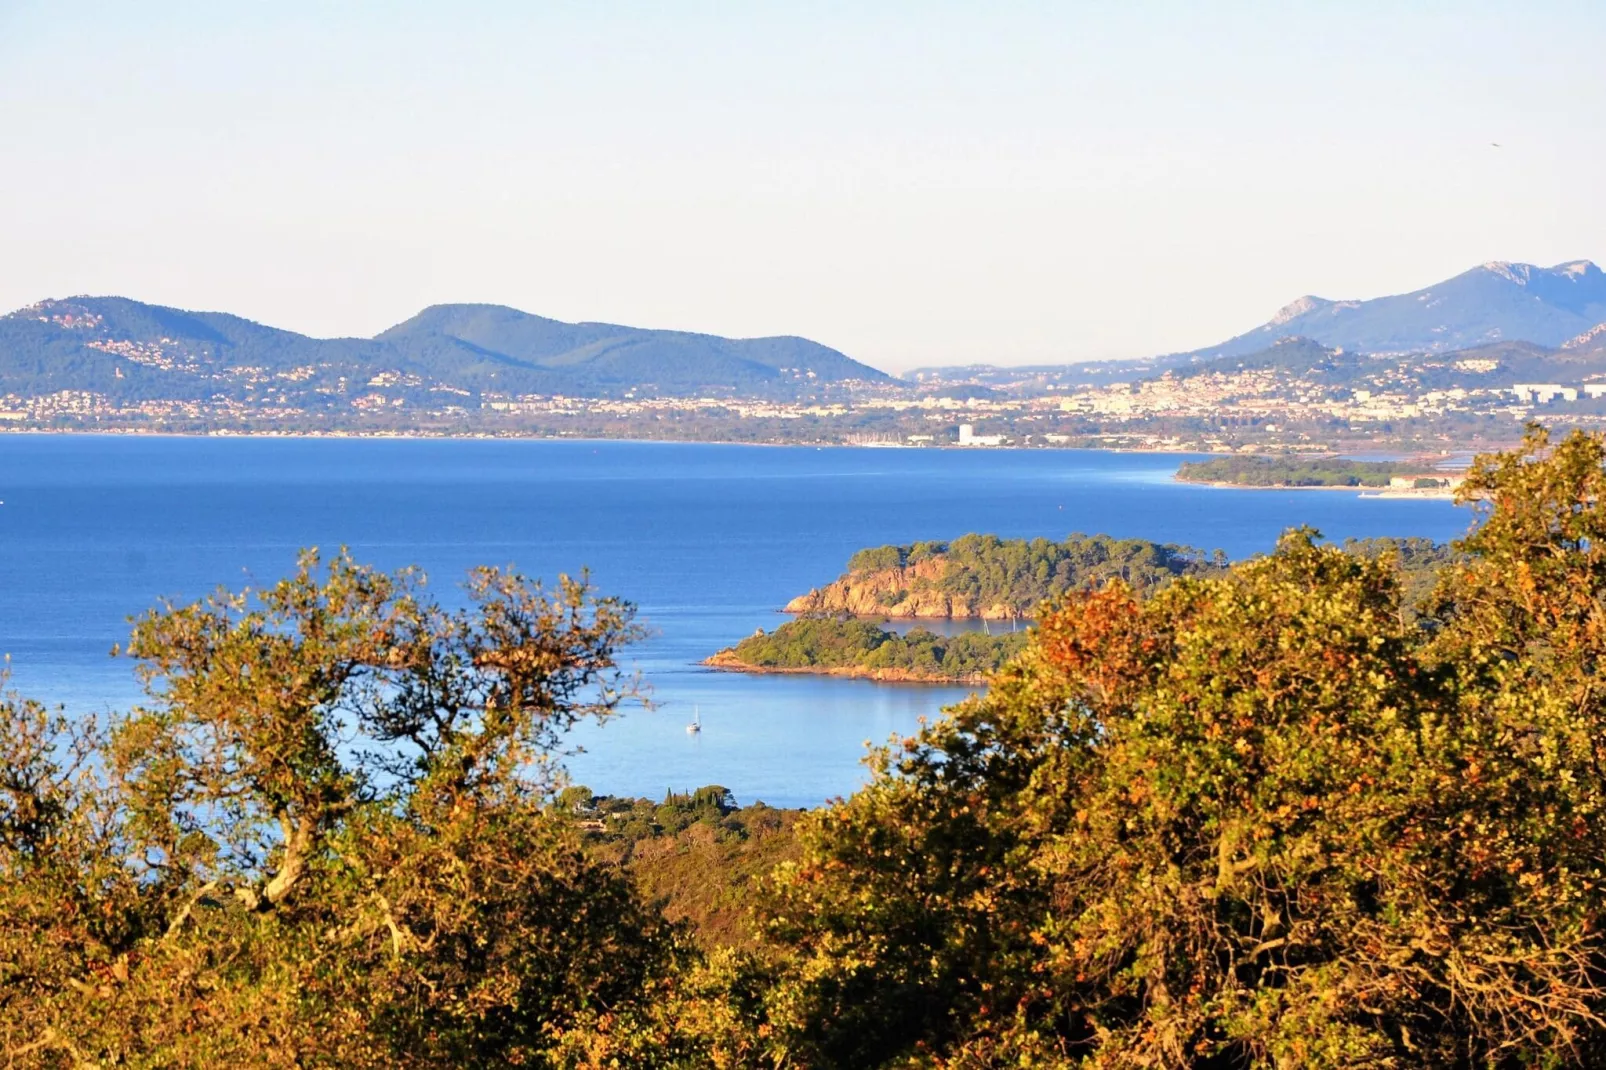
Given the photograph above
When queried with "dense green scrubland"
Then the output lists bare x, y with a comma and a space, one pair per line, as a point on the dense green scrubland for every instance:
1029, 570
1259, 471
1004, 569
1274, 816
986, 576
698, 854
972, 576
1418, 563
860, 648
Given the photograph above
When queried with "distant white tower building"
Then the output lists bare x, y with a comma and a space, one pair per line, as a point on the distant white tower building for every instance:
968, 437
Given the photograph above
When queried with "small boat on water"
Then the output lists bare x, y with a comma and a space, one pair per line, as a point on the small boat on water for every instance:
696, 725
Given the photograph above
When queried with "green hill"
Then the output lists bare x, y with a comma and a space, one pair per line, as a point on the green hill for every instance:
1259, 471
603, 357
848, 647
132, 351
986, 576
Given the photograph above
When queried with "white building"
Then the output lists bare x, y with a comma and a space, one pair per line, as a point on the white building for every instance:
968, 437
1540, 393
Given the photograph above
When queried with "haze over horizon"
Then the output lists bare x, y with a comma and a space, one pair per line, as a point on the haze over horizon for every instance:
915, 185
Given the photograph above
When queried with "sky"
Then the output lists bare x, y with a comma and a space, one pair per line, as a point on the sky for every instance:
912, 183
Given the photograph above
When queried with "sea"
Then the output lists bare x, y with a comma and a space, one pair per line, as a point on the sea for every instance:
709, 541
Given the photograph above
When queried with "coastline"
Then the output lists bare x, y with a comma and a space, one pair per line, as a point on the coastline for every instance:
1440, 494
419, 436
516, 436
726, 661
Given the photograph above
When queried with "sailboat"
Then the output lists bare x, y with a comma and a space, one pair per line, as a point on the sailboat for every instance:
696, 725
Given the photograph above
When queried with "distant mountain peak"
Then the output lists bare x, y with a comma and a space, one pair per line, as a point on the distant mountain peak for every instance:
70, 313
1512, 272
1495, 301
1298, 307
1522, 274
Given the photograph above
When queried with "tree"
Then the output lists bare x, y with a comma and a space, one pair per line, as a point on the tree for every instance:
1265, 819
70, 911
326, 840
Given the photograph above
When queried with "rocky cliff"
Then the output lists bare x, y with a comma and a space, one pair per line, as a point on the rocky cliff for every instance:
910, 591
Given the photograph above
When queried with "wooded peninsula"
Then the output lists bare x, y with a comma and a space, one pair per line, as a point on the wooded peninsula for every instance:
986, 577
983, 576
975, 577
1262, 471
849, 647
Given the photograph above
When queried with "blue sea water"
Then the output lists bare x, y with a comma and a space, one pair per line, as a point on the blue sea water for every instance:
709, 540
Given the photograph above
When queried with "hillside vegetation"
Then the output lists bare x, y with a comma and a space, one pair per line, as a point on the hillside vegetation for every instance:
131, 351
1265, 817
698, 855
850, 647
986, 576
1298, 364
1259, 471
856, 646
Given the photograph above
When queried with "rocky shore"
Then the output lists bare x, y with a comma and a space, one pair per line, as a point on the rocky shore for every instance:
910, 592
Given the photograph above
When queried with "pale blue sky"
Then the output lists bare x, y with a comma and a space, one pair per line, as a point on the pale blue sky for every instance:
911, 182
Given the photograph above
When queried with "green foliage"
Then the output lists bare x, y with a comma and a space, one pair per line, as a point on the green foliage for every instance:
986, 572
1024, 573
1256, 471
875, 558
1418, 562
1262, 819
698, 855
325, 842
826, 643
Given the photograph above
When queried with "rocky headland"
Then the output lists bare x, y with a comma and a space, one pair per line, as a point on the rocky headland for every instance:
905, 591
838, 629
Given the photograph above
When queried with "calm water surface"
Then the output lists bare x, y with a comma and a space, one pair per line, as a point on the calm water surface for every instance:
708, 540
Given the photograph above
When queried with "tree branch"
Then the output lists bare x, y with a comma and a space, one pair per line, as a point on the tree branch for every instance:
184, 915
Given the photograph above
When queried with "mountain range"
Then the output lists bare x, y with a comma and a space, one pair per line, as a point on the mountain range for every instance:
1493, 302
129, 350
1536, 322
1540, 320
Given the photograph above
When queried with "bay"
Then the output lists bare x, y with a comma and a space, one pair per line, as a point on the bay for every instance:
709, 540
